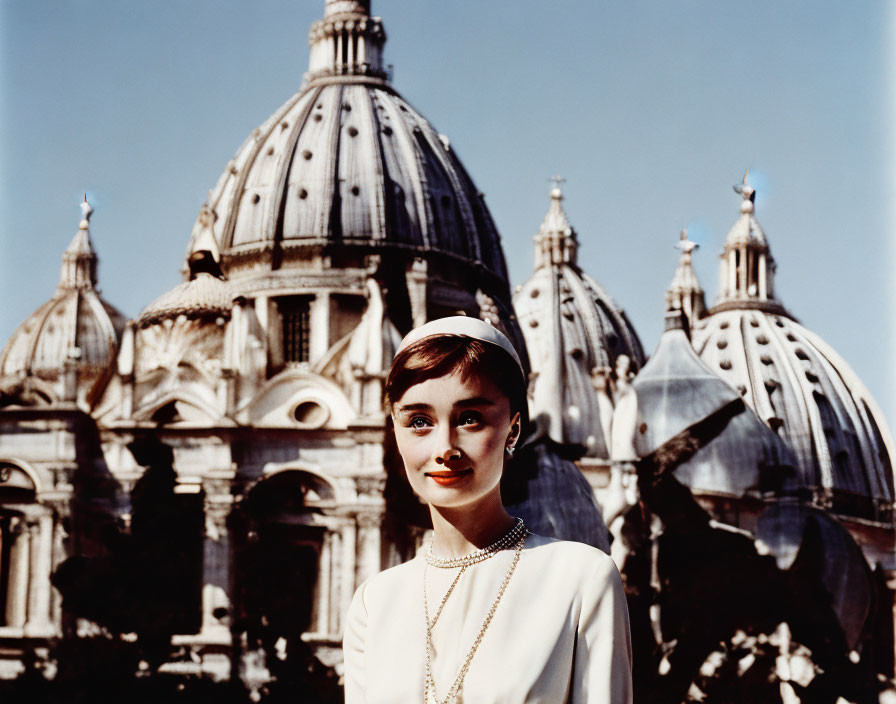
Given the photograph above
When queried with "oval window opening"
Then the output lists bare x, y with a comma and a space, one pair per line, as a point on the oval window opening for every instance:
311, 414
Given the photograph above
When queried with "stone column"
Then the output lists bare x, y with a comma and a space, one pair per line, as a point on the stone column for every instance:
416, 277
57, 557
763, 278
348, 582
39, 621
320, 326
322, 625
261, 311
732, 274
215, 568
17, 599
368, 545
350, 38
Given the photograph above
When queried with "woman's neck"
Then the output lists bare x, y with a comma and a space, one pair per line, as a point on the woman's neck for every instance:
460, 531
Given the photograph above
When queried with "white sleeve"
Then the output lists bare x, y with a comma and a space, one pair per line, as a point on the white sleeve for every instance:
602, 668
353, 648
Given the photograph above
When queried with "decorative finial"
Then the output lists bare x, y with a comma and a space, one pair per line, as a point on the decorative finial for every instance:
748, 193
684, 244
556, 241
86, 212
555, 191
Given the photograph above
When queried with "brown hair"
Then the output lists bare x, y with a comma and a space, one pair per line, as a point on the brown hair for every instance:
440, 355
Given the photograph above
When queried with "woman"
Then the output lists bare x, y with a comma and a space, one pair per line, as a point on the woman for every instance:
489, 613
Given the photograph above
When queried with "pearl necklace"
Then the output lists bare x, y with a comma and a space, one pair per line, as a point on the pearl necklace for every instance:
505, 541
429, 685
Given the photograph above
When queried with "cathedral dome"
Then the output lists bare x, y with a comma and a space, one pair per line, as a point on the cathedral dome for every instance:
675, 391
796, 383
204, 296
346, 161
572, 329
76, 327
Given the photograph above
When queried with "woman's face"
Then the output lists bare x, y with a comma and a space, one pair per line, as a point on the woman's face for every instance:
452, 434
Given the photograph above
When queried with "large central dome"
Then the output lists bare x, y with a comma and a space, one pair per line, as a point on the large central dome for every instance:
348, 162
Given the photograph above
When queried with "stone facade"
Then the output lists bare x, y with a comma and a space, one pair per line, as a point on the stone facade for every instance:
249, 397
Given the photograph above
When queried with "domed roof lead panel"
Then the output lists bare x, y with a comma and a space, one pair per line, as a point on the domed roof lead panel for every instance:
797, 385
572, 327
347, 161
75, 324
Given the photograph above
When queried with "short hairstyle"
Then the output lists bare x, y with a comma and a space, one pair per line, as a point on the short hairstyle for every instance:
440, 355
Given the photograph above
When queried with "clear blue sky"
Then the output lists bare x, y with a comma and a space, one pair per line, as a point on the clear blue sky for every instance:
650, 110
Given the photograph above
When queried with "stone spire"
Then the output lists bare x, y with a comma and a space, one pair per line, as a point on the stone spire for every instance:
684, 293
79, 260
346, 42
747, 267
556, 241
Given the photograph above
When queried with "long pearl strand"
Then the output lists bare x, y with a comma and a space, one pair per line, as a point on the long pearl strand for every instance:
519, 534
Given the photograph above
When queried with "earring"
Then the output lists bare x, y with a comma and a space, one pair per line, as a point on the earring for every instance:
509, 450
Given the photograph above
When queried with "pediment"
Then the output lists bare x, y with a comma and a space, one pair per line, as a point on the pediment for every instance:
298, 398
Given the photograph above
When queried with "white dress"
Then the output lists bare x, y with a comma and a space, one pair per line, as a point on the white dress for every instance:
560, 633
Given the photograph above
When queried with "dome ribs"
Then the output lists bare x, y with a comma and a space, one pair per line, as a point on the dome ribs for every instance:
857, 402
803, 431
417, 182
491, 254
40, 319
841, 426
306, 215
272, 225
252, 146
361, 168
759, 399
402, 217
331, 227
826, 416
383, 206
464, 225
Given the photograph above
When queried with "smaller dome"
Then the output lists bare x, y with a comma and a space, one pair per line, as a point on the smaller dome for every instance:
801, 388
204, 296
676, 390
77, 326
572, 328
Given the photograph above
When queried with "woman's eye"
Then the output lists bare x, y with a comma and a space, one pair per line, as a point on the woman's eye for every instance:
418, 423
469, 418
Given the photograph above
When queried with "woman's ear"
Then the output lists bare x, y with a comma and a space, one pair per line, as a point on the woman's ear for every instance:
514, 429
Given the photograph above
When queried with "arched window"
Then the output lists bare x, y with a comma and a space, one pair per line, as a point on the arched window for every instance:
17, 490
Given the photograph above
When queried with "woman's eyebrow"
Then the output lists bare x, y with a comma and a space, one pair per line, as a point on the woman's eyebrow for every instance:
414, 407
476, 401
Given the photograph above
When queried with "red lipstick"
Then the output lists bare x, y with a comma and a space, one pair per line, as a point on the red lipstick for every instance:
449, 478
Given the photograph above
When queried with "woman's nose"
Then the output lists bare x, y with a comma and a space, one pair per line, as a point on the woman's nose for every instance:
451, 454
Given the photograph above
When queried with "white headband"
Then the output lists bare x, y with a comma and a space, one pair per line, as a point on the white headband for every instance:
465, 327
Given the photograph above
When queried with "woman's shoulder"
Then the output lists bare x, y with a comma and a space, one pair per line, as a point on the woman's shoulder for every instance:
572, 557
391, 582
